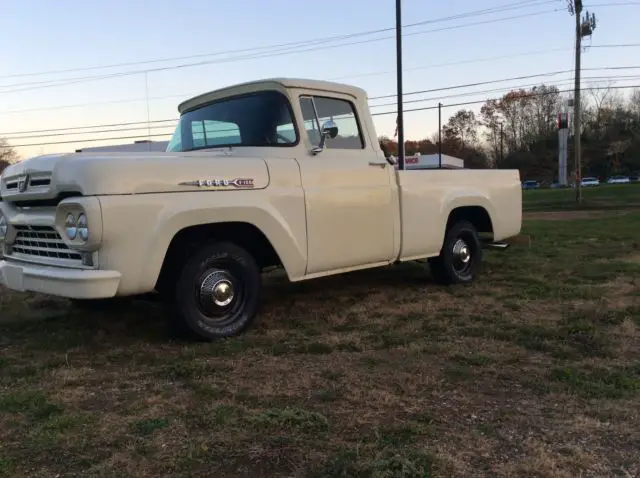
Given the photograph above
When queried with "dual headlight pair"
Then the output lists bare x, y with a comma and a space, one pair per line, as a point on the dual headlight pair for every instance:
76, 227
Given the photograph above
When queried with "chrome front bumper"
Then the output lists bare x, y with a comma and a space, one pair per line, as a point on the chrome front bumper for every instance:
58, 281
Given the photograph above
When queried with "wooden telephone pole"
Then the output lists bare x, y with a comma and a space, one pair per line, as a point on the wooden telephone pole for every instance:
584, 27
400, 120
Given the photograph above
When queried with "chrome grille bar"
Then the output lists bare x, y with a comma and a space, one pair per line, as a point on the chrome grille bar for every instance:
42, 241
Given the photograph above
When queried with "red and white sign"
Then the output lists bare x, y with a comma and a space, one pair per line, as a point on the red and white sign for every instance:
563, 120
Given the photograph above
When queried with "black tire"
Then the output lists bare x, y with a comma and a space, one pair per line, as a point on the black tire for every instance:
231, 272
450, 267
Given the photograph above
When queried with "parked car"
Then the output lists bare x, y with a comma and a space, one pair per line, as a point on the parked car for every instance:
559, 186
589, 182
618, 180
530, 185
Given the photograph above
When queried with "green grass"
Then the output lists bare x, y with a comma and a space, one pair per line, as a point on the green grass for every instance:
531, 371
600, 197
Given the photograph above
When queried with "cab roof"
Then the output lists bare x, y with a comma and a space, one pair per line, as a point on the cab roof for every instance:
270, 83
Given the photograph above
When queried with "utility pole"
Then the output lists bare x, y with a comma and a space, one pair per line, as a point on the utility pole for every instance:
501, 146
439, 135
400, 120
584, 27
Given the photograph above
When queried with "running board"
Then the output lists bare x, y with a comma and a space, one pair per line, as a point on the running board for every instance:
501, 246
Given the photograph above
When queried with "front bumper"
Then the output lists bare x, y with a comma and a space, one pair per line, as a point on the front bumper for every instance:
58, 281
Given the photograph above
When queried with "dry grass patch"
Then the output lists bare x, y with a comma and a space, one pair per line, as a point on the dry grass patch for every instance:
532, 371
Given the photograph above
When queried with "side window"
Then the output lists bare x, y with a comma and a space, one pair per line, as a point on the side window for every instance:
343, 114
310, 120
212, 133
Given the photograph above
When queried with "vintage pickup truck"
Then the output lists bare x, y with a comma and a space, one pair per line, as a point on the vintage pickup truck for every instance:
280, 172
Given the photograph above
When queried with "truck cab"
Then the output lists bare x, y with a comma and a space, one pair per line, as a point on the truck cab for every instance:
277, 172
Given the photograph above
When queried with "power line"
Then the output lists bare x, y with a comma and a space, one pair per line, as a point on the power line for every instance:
67, 81
100, 131
426, 108
438, 65
617, 4
496, 9
514, 87
488, 82
468, 103
452, 63
89, 127
97, 103
410, 93
91, 140
471, 93
618, 45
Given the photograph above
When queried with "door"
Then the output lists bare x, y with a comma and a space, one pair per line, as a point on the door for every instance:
348, 195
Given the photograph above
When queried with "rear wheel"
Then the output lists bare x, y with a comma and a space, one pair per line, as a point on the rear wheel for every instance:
460, 257
218, 291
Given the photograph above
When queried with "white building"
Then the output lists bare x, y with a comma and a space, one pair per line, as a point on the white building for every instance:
431, 161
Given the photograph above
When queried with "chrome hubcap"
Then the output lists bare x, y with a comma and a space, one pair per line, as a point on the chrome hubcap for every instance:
222, 293
217, 288
461, 251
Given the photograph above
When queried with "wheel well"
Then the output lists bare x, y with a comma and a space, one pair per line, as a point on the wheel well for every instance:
476, 215
188, 239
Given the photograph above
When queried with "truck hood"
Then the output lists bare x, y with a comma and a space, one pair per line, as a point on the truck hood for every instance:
94, 174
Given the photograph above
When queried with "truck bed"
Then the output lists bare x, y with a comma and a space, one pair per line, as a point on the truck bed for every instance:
433, 194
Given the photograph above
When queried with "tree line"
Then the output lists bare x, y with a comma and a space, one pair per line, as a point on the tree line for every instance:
520, 131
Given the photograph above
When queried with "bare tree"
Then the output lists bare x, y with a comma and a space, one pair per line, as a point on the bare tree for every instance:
634, 103
462, 127
606, 102
7, 155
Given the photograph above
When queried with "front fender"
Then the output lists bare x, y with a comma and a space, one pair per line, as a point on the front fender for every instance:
290, 248
156, 218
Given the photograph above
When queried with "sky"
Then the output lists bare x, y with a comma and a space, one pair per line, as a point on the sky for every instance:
86, 39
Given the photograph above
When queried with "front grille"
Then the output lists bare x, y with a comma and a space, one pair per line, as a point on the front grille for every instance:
42, 241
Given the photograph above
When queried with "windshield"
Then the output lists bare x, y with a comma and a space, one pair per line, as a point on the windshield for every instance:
264, 118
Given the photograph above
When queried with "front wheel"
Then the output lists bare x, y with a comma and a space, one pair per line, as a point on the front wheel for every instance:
460, 256
218, 291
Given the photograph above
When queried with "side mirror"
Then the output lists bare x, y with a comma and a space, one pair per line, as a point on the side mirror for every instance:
329, 130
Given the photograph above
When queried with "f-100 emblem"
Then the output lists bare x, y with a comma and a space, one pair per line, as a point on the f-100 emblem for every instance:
246, 183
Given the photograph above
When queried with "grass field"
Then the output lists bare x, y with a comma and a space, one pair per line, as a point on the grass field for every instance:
532, 371
599, 197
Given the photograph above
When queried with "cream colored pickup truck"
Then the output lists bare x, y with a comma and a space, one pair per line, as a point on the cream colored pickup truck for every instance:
279, 172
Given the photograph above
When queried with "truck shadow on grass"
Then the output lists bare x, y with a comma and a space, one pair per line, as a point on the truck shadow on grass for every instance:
55, 324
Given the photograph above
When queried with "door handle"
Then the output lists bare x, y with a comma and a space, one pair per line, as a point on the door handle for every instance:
378, 163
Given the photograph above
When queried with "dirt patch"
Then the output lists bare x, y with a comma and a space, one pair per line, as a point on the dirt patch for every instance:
632, 258
569, 215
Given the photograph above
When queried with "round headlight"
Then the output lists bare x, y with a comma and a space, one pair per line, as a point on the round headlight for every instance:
70, 227
4, 226
83, 227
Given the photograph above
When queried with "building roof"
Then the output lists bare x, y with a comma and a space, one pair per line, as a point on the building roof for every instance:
257, 85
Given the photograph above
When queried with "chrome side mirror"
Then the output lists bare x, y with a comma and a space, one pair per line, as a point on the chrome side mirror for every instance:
329, 130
